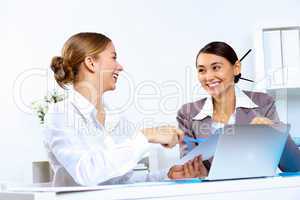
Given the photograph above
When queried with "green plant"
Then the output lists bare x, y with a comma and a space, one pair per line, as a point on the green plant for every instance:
40, 107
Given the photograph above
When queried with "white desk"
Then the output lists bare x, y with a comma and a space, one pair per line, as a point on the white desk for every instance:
282, 188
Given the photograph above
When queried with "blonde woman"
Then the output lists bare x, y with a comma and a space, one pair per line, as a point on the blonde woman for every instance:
85, 145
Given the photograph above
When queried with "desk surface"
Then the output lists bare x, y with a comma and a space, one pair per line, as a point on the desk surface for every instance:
262, 188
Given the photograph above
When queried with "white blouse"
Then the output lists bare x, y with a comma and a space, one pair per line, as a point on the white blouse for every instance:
242, 101
82, 151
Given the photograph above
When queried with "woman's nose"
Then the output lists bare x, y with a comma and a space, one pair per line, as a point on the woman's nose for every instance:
120, 67
209, 75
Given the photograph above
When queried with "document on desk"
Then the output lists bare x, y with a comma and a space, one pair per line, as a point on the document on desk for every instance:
206, 149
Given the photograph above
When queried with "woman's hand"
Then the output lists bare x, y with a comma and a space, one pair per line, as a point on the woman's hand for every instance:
261, 120
192, 169
168, 136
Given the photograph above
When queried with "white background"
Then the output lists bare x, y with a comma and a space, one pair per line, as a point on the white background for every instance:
156, 40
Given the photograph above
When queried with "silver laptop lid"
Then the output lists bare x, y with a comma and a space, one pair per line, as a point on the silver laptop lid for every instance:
245, 151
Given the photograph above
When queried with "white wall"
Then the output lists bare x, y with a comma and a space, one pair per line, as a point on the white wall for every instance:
155, 40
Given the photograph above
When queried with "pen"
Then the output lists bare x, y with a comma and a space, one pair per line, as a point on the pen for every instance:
194, 136
189, 140
245, 54
241, 61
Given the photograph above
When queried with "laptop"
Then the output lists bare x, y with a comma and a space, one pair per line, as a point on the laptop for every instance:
248, 151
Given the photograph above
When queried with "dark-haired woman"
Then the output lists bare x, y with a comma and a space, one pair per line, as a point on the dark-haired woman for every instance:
88, 145
218, 70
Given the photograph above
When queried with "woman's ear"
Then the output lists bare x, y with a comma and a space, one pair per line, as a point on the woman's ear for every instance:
89, 64
237, 68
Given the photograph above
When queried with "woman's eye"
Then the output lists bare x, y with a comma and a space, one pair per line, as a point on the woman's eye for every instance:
200, 70
217, 67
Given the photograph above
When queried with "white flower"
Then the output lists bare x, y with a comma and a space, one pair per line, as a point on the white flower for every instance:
41, 106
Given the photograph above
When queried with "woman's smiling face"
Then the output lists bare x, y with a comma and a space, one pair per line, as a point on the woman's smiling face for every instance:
108, 68
216, 73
